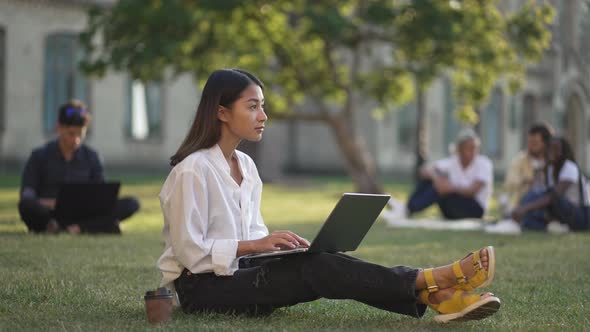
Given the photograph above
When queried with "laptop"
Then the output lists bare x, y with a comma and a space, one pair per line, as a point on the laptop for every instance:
77, 202
345, 228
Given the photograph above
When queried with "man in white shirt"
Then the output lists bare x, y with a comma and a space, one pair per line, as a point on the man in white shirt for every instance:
461, 184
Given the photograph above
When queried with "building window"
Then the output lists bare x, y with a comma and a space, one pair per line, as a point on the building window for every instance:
513, 115
452, 125
63, 78
491, 128
2, 76
529, 115
407, 127
584, 26
144, 111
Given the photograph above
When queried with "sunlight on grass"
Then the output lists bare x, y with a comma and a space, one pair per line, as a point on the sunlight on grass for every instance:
96, 282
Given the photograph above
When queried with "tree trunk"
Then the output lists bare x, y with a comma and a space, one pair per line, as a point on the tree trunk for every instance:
359, 163
421, 132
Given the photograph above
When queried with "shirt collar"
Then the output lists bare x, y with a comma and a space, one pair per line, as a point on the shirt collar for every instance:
218, 158
458, 161
216, 155
54, 148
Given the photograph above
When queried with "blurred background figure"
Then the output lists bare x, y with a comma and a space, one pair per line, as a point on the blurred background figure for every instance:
526, 171
65, 160
565, 200
460, 184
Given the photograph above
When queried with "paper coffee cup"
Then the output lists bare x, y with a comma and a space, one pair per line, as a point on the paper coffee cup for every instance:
158, 305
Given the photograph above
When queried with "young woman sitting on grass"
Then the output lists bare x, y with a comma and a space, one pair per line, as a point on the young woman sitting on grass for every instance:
566, 200
211, 207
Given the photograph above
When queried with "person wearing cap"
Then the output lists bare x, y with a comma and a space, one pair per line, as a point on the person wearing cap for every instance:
461, 184
65, 160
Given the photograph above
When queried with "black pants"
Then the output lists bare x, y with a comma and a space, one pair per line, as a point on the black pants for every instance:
452, 206
275, 283
37, 216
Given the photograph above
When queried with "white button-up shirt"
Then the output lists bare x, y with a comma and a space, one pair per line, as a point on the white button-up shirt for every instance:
206, 213
480, 169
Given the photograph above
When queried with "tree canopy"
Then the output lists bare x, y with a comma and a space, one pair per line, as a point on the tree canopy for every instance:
330, 53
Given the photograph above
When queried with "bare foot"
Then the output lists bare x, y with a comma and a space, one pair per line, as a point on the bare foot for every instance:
74, 229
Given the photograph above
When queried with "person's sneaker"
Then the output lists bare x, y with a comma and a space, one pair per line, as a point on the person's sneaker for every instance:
505, 226
555, 227
396, 214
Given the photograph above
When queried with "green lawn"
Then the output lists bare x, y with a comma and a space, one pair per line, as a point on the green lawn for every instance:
97, 282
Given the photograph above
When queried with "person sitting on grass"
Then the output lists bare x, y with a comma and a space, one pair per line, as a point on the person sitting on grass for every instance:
461, 185
65, 160
211, 207
566, 200
527, 169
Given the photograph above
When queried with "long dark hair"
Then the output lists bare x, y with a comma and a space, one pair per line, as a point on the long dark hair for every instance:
223, 88
567, 153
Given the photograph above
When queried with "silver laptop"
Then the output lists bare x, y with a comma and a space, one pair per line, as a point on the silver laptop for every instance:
345, 228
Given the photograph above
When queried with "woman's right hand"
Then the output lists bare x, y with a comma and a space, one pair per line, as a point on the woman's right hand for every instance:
279, 240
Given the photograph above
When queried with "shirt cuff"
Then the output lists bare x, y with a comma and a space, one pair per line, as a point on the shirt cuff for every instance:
223, 256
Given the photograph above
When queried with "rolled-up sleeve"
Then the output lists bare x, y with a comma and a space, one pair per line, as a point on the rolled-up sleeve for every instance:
442, 165
186, 210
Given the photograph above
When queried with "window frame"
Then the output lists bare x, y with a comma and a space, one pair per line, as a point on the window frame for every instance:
49, 113
158, 137
497, 155
406, 137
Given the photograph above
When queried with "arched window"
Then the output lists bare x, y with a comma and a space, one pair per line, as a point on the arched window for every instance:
491, 125
63, 78
144, 110
529, 115
451, 124
406, 118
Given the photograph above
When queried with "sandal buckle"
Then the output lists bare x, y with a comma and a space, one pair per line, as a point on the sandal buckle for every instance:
461, 280
432, 289
477, 266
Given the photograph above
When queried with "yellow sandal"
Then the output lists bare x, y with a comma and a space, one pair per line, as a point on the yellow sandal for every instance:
482, 277
461, 307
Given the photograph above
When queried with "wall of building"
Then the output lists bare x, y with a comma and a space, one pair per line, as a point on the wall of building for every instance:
561, 77
27, 24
